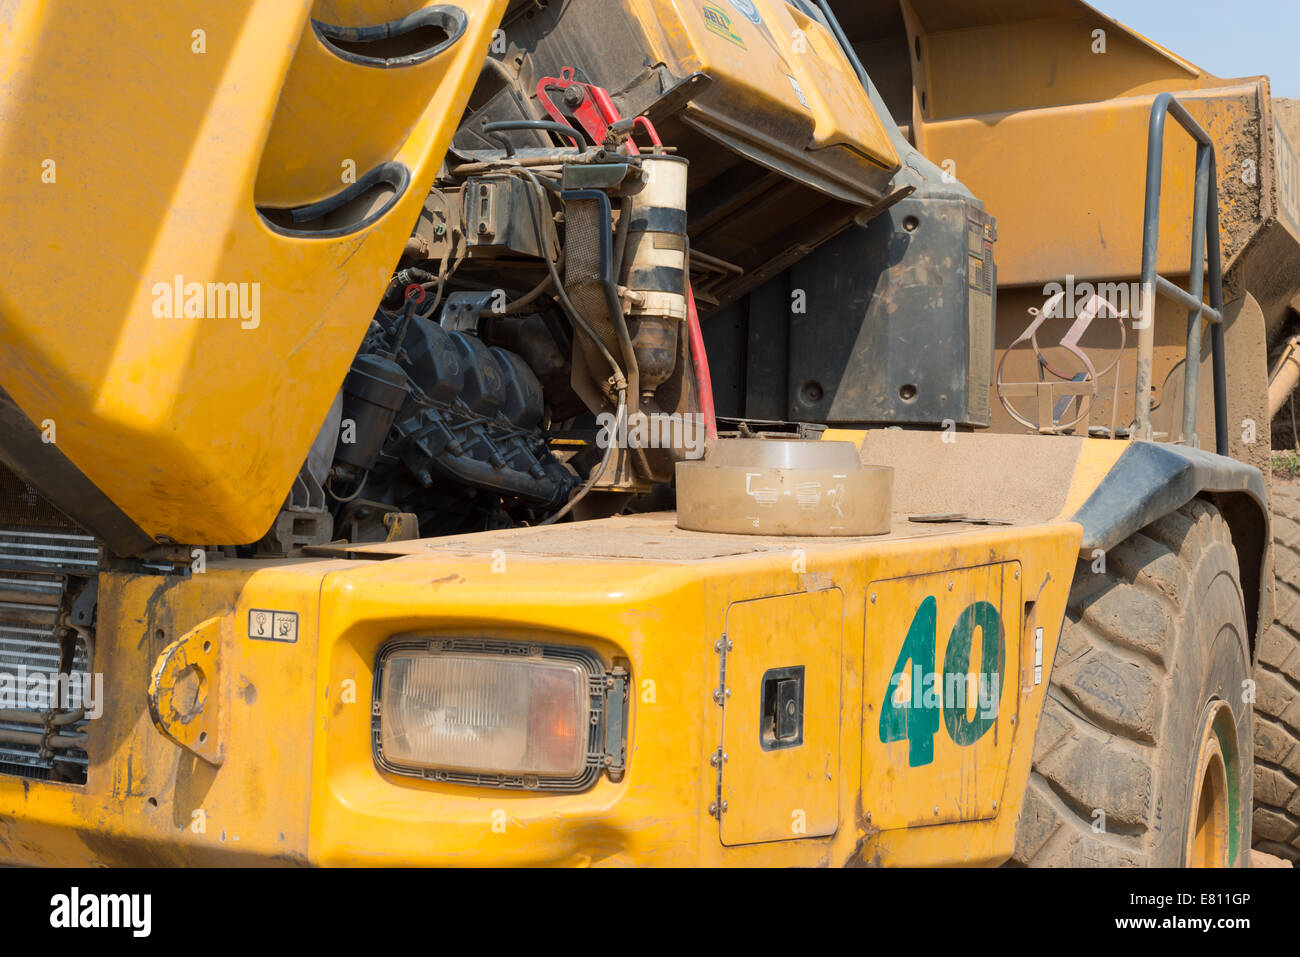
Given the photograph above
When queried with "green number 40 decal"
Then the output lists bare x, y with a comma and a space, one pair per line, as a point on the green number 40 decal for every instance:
912, 713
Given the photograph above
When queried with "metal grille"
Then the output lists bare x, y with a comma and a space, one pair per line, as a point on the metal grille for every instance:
22, 506
44, 738
24, 650
23, 550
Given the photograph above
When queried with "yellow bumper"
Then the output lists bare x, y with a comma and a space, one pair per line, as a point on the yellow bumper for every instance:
297, 781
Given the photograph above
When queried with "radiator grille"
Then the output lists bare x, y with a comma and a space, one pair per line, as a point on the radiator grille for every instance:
40, 570
22, 506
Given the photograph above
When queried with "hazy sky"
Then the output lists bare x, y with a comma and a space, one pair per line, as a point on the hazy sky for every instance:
1230, 39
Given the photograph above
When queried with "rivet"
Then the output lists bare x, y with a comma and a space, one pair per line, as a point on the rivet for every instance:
873, 598
936, 810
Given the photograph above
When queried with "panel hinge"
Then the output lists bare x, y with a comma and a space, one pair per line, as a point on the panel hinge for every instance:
720, 693
718, 806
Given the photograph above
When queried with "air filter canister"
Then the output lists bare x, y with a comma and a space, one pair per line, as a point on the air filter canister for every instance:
784, 487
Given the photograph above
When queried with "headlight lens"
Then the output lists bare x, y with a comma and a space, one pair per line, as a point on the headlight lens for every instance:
485, 714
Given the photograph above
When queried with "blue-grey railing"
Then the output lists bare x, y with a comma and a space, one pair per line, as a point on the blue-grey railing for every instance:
1205, 234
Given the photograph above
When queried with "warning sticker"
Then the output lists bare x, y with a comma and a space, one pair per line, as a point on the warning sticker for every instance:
267, 625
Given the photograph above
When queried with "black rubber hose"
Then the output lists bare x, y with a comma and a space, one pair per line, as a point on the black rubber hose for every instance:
579, 137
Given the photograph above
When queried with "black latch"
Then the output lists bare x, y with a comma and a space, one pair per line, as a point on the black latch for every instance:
781, 721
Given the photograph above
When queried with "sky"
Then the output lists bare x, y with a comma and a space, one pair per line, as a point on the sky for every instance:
1229, 39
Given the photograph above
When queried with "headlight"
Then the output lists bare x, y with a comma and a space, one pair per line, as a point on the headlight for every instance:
493, 713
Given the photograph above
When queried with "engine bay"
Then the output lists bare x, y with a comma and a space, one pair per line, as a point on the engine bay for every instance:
538, 352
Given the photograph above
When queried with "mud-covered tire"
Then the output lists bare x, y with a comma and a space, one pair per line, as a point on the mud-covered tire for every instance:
1151, 646
1277, 676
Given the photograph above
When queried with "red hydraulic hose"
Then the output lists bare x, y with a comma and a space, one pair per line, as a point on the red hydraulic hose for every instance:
700, 359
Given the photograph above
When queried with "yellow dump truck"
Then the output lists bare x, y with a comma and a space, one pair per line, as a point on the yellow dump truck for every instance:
723, 432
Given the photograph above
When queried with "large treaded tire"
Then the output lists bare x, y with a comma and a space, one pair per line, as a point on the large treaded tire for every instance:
1146, 646
1277, 676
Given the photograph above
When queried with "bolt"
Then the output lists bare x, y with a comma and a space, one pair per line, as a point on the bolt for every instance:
995, 805
873, 598
936, 810
573, 95
439, 230
1017, 573
724, 807
949, 586
713, 809
731, 645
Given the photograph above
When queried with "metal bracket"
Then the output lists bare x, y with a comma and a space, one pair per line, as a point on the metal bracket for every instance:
1055, 396
402, 526
616, 699
184, 692
463, 309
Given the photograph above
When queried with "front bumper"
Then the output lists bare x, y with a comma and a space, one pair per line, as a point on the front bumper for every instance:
297, 782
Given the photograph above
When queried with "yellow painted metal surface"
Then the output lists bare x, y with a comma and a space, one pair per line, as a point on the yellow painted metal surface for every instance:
299, 782
1096, 458
801, 630
149, 800
778, 63
136, 164
951, 764
1061, 213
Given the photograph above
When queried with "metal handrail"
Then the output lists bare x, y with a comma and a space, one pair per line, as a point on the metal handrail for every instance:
1205, 226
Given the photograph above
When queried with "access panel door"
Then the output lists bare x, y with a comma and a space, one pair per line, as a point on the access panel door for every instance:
781, 681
